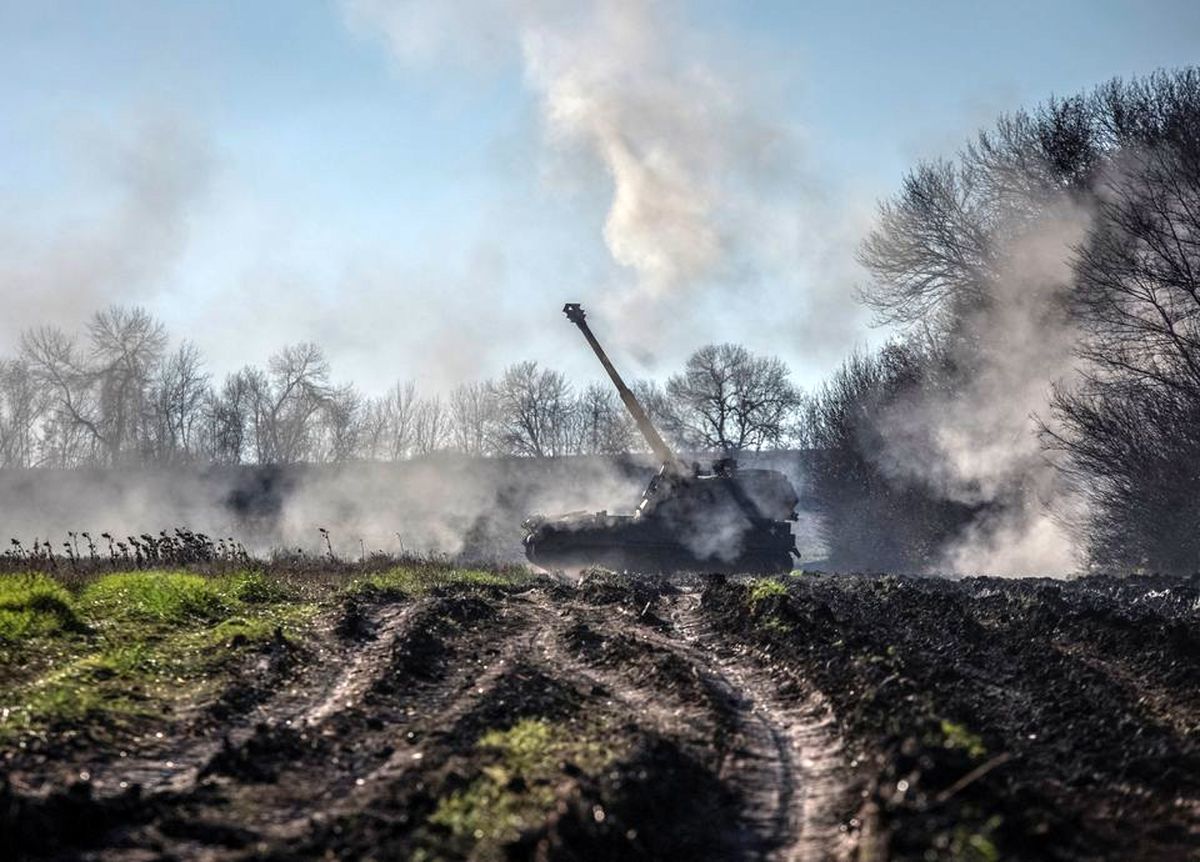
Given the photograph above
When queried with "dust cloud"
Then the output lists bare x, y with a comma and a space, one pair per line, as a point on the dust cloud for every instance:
445, 504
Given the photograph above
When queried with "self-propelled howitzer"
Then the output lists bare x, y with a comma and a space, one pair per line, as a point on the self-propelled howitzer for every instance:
722, 520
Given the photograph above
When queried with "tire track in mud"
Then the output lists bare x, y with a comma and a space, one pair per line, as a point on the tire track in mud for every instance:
311, 746
335, 676
803, 734
441, 709
783, 762
367, 737
402, 695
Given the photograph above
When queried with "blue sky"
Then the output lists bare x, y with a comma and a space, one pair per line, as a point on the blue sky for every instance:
259, 173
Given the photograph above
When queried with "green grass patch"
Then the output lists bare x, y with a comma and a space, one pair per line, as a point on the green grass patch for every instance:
121, 658
519, 786
412, 581
35, 605
958, 736
976, 845
131, 645
63, 700
252, 587
166, 597
762, 589
775, 625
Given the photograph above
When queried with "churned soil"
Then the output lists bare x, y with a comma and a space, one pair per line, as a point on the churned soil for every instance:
998, 719
807, 717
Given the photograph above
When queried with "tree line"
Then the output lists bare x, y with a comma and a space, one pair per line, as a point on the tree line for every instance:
1123, 428
117, 394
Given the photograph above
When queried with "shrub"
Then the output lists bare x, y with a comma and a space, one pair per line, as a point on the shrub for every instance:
764, 588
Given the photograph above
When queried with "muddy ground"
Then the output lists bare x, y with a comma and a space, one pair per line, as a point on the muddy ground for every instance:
811, 717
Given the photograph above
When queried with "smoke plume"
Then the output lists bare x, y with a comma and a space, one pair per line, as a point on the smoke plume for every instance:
977, 443
707, 199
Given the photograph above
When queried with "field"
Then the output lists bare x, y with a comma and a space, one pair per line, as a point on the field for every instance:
409, 709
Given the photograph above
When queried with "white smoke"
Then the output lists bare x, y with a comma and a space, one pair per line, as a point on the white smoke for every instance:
151, 173
978, 443
707, 200
609, 82
442, 504
660, 131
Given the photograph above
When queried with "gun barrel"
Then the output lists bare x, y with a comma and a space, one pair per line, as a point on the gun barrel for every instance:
575, 313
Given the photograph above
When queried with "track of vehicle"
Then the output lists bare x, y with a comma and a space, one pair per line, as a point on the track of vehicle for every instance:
840, 718
351, 755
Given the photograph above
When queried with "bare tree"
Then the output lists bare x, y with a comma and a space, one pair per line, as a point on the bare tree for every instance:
1139, 275
1129, 429
231, 416
931, 252
74, 432
431, 425
339, 426
728, 399
23, 406
657, 404
473, 418
286, 403
389, 424
126, 347
533, 411
101, 396
937, 250
180, 395
870, 518
1128, 155
1133, 454
602, 425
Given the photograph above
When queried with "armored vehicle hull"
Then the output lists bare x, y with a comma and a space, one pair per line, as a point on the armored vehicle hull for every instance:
626, 543
729, 520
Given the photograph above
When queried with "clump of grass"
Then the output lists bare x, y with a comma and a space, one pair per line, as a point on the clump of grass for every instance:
122, 659
762, 589
254, 587
971, 845
35, 605
64, 701
958, 736
517, 789
166, 597
242, 630
411, 581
